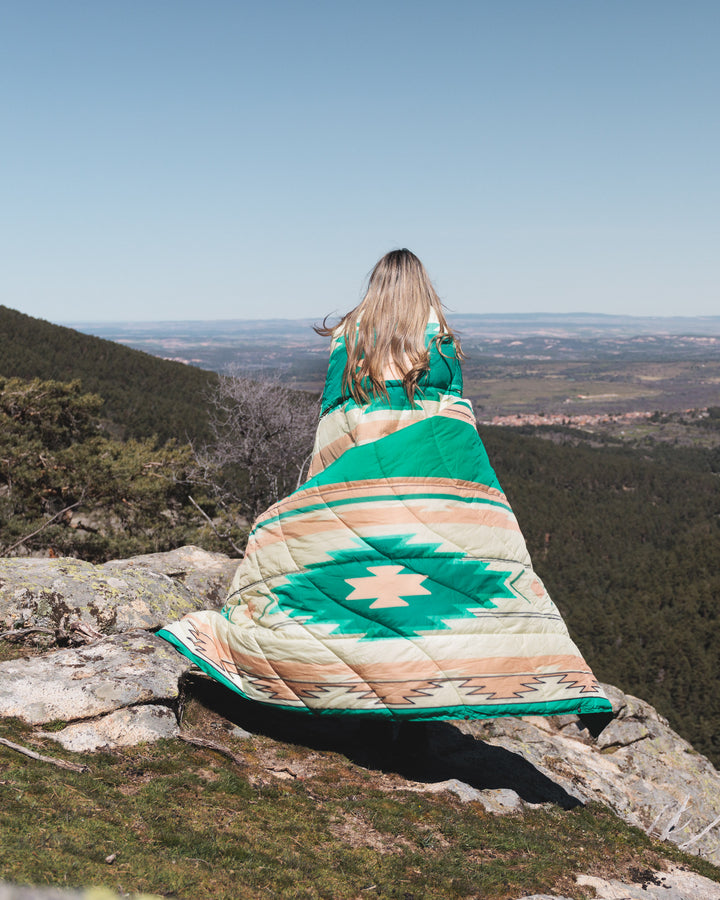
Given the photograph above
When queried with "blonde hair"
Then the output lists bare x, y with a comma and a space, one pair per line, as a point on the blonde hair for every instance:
385, 333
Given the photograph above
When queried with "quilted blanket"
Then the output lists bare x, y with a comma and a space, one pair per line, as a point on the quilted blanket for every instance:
395, 582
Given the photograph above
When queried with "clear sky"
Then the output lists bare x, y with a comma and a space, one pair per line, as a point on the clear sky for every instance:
205, 159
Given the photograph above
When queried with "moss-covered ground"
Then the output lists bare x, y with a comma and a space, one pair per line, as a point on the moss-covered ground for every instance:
293, 821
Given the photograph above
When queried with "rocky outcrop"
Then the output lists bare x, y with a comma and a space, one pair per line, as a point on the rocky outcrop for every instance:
638, 766
59, 597
83, 682
206, 575
674, 884
124, 728
124, 686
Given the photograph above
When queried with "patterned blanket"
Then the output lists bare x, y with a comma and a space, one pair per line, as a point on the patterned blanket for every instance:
395, 582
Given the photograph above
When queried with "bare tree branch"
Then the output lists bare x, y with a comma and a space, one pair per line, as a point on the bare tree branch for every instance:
303, 470
263, 433
26, 751
223, 537
16, 633
701, 835
211, 745
6, 550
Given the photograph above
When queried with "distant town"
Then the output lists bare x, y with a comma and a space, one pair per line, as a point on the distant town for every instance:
584, 421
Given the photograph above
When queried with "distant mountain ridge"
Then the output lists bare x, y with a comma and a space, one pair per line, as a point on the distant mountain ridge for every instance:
292, 347
583, 324
143, 395
471, 324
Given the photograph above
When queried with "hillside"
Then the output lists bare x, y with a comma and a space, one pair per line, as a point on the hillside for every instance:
628, 548
143, 395
121, 766
627, 539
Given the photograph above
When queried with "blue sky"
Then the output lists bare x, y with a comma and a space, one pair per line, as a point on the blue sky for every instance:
169, 159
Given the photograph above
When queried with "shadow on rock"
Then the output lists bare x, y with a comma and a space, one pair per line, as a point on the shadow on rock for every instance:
421, 751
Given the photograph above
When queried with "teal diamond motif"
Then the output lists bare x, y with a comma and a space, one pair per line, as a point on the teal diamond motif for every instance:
387, 587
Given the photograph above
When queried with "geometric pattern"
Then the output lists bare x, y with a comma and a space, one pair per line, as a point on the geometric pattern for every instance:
382, 587
395, 581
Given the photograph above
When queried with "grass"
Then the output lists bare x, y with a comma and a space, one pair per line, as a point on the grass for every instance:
295, 821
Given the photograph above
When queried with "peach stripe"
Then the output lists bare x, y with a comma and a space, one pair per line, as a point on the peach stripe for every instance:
332, 493
204, 640
367, 431
465, 670
393, 684
359, 520
275, 689
458, 412
507, 686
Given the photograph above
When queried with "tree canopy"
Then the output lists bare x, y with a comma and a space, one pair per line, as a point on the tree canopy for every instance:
628, 547
68, 488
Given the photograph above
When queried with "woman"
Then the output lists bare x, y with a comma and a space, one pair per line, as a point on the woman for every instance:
395, 582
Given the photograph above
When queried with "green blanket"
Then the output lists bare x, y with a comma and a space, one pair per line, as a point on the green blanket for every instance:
395, 581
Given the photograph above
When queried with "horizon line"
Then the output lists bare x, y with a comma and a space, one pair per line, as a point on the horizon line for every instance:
509, 315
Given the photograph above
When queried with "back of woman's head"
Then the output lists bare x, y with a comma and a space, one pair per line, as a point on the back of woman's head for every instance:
385, 333
399, 286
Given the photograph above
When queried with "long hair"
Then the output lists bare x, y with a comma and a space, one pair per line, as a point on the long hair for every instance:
385, 333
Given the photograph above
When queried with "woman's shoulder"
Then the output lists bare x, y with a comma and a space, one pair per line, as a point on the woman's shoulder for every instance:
444, 372
434, 332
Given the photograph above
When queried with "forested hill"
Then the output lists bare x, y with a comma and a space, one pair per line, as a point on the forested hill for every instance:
628, 543
142, 394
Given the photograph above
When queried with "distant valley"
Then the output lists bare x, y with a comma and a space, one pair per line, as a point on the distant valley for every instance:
561, 366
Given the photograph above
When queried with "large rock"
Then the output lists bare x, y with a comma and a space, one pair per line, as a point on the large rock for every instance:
122, 728
207, 575
639, 767
674, 884
144, 592
89, 681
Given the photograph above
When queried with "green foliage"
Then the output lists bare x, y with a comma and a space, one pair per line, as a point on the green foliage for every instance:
66, 486
711, 422
142, 395
628, 547
56, 415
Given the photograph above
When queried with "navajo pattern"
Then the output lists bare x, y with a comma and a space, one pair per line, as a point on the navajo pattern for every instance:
395, 581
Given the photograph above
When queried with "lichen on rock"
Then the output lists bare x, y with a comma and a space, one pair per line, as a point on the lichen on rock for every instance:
143, 592
78, 683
